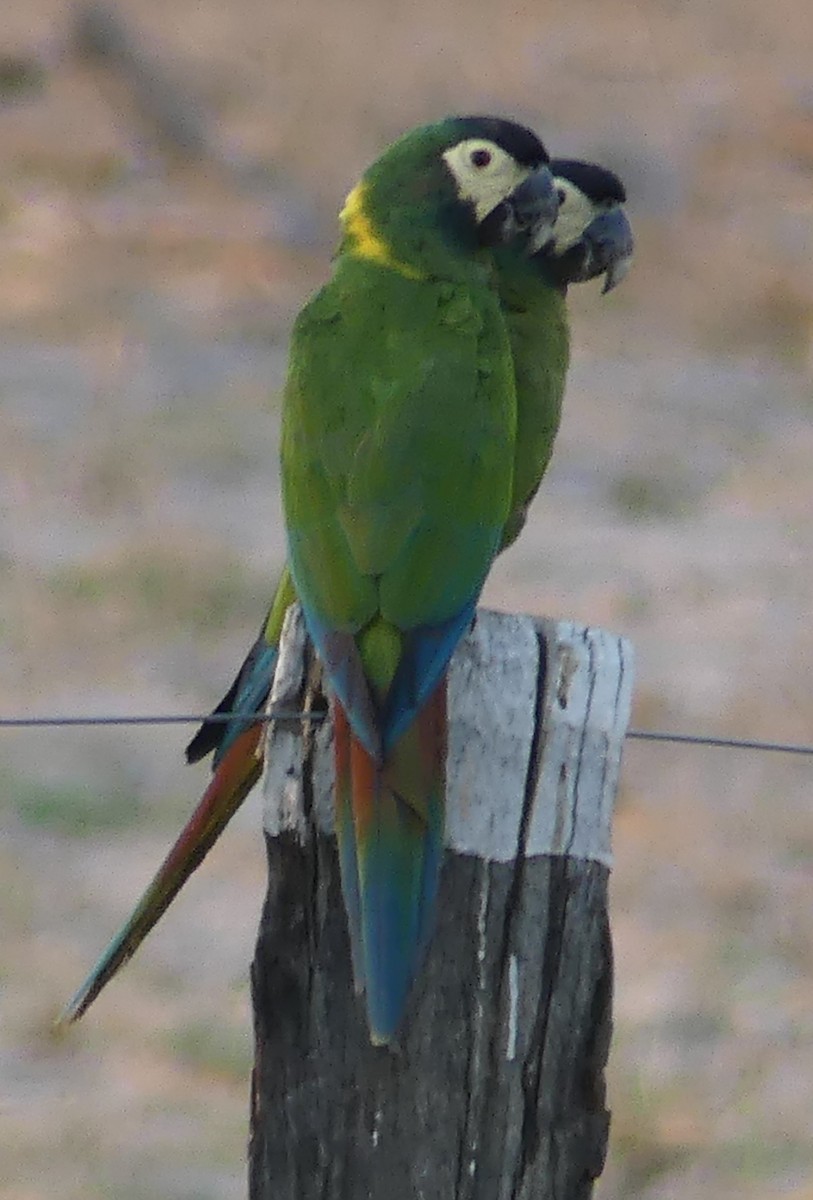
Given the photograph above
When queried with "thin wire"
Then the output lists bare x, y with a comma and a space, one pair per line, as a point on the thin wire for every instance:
695, 739
276, 714
284, 714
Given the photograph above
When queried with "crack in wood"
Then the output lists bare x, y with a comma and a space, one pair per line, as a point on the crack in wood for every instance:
587, 642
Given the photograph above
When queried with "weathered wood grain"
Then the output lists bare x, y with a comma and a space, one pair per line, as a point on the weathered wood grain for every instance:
496, 1088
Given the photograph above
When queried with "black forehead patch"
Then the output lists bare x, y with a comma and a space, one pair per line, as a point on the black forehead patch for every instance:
521, 143
596, 182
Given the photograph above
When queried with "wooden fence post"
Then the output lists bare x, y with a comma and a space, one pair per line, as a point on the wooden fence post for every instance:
496, 1089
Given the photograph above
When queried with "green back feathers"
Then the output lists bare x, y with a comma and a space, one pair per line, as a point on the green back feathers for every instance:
398, 441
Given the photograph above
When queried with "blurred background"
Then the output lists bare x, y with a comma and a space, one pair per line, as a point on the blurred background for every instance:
171, 174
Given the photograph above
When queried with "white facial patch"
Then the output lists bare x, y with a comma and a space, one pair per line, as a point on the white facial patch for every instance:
576, 211
484, 173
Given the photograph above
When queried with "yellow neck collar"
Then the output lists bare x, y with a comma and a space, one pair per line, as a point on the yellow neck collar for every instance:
364, 239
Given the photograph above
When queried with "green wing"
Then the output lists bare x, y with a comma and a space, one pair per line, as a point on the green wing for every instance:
398, 445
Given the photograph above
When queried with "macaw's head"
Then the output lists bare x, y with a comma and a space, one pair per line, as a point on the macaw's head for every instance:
443, 192
592, 235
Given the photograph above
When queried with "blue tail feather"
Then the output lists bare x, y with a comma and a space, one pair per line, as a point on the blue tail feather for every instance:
250, 699
342, 661
424, 660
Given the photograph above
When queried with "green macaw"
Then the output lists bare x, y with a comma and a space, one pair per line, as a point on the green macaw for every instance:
592, 236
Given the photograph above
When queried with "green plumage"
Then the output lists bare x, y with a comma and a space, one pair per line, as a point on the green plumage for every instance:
422, 401
399, 437
399, 444
536, 317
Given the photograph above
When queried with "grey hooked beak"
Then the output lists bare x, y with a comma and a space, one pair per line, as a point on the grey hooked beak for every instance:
535, 204
608, 245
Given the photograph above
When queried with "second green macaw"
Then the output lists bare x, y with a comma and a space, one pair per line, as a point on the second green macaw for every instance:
592, 237
391, 746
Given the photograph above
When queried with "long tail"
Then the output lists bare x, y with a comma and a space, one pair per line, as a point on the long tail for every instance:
237, 764
389, 824
234, 778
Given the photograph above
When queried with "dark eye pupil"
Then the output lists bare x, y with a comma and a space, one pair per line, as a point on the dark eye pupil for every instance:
561, 195
480, 158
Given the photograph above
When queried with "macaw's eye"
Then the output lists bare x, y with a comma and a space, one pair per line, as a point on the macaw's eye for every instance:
480, 158
561, 196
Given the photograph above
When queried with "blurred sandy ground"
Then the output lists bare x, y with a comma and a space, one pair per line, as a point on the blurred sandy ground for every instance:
145, 301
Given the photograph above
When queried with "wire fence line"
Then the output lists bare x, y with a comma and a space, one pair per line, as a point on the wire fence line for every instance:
700, 739
284, 714
218, 718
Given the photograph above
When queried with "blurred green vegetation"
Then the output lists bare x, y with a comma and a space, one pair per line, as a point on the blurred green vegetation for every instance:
165, 587
72, 809
214, 1047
